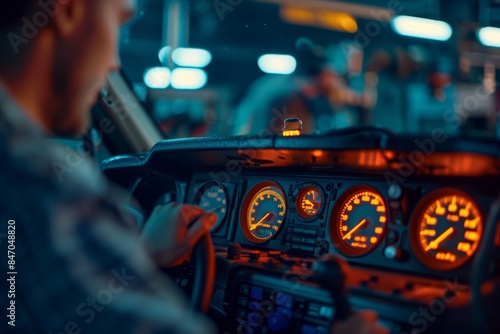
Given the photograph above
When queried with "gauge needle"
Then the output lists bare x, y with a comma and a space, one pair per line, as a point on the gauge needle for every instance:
354, 229
259, 223
435, 243
214, 209
311, 204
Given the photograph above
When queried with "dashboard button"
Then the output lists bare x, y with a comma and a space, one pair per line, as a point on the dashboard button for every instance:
254, 306
253, 255
234, 251
284, 300
303, 248
286, 311
241, 312
242, 301
393, 253
244, 289
305, 231
303, 240
257, 293
254, 319
326, 312
278, 322
308, 329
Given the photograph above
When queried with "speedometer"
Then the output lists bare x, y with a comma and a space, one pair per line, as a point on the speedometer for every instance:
359, 221
446, 229
263, 212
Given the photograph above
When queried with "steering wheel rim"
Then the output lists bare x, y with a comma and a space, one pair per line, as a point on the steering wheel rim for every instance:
203, 259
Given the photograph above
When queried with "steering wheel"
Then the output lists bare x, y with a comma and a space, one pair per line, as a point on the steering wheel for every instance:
203, 259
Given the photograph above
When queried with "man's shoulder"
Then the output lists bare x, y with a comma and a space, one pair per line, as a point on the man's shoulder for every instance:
57, 165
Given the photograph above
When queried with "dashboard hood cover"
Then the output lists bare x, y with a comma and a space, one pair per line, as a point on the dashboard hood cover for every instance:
354, 151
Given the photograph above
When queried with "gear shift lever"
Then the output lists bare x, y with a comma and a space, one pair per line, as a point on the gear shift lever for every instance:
329, 275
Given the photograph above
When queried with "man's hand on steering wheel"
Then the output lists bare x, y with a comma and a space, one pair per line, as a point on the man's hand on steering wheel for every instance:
173, 230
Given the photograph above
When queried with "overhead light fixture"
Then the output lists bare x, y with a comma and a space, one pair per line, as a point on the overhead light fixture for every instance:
157, 77
164, 53
489, 36
277, 64
421, 28
189, 57
189, 78
338, 21
319, 18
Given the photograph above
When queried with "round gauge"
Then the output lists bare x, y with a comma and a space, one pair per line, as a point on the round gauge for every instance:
308, 202
263, 212
359, 221
446, 229
211, 197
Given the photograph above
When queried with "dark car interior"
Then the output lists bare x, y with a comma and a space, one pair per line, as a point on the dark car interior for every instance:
392, 204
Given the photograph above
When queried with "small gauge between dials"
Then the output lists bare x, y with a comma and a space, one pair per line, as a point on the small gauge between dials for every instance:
212, 197
309, 202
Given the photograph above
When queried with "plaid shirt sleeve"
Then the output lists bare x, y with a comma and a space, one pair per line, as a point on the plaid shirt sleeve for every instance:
80, 267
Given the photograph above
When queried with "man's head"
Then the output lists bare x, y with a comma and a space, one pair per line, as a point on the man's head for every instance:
72, 44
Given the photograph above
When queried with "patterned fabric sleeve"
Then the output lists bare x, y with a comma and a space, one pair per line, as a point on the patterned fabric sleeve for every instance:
80, 265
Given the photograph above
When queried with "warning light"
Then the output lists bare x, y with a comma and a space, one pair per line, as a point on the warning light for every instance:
292, 127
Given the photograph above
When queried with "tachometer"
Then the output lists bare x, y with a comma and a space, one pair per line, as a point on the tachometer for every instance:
359, 221
263, 212
446, 229
212, 197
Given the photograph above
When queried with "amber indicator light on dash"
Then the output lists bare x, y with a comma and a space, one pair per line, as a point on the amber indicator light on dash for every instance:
446, 229
292, 127
359, 221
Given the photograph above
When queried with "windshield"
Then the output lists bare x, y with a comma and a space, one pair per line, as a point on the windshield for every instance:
233, 67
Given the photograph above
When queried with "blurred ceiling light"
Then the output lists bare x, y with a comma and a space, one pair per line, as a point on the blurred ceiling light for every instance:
191, 57
338, 21
421, 28
277, 64
489, 36
319, 18
163, 54
189, 78
298, 15
157, 77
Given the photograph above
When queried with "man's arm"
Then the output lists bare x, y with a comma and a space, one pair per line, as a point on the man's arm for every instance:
101, 255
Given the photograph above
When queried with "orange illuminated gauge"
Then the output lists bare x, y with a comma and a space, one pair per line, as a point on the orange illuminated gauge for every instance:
309, 202
263, 212
446, 229
359, 221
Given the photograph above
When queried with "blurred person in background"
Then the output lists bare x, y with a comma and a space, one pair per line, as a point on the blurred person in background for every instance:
315, 93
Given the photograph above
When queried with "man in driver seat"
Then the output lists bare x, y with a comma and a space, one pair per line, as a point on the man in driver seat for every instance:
81, 267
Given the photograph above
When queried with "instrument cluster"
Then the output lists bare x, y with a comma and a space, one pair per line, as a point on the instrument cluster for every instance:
438, 227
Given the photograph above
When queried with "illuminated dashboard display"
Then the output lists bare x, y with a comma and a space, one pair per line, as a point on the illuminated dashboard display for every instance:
446, 230
359, 221
263, 212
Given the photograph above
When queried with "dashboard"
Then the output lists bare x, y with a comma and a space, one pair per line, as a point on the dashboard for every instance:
422, 228
411, 226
